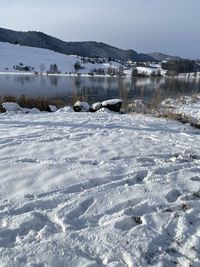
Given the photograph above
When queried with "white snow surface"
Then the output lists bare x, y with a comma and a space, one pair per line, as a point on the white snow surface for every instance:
112, 102
188, 106
96, 106
11, 106
41, 59
98, 189
53, 108
147, 70
65, 110
15, 108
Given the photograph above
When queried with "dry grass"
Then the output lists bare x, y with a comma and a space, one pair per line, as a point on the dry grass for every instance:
27, 102
181, 117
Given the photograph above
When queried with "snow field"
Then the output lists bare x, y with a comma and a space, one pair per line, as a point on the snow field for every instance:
98, 189
41, 59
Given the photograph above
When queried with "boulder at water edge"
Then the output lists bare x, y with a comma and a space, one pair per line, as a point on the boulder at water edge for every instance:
113, 104
81, 106
95, 107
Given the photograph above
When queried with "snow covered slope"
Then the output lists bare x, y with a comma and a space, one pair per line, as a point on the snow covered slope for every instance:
11, 55
185, 107
98, 189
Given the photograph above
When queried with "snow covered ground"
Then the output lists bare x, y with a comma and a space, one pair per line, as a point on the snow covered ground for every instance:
188, 107
98, 189
148, 71
41, 59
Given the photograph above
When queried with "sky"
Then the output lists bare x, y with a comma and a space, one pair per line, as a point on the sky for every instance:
167, 26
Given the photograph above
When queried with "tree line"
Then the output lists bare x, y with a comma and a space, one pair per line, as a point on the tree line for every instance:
180, 66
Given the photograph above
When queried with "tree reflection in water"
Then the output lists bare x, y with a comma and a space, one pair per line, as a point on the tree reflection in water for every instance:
96, 89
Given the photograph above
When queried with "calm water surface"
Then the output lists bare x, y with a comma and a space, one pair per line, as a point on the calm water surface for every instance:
94, 89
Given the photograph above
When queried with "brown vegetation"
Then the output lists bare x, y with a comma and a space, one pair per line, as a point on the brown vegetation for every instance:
28, 102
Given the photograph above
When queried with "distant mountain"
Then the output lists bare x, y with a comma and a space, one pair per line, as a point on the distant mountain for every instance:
85, 49
161, 57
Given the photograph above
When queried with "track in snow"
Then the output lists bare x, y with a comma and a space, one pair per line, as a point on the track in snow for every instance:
98, 190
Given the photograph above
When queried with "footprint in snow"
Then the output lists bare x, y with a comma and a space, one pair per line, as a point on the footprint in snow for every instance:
127, 223
75, 218
195, 179
33, 222
172, 195
28, 160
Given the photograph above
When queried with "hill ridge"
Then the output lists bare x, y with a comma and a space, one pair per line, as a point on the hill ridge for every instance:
83, 48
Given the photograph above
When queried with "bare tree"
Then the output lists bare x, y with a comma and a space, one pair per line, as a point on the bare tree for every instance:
42, 68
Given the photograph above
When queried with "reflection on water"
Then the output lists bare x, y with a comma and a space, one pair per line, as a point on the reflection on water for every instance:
94, 89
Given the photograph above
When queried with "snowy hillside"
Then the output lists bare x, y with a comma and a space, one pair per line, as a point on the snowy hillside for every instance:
98, 189
40, 59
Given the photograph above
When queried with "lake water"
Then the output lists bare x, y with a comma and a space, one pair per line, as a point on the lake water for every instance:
94, 89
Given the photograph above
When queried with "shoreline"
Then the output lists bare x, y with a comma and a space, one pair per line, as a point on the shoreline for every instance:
181, 76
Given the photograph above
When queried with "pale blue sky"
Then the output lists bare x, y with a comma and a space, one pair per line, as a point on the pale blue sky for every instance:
169, 26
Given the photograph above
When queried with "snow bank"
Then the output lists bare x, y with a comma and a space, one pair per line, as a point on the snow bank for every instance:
11, 106
186, 108
15, 108
105, 110
65, 110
